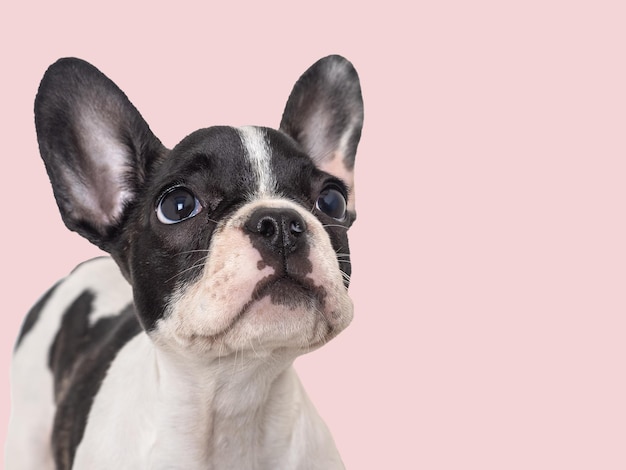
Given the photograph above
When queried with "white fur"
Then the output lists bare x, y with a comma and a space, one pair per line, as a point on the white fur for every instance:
231, 412
259, 153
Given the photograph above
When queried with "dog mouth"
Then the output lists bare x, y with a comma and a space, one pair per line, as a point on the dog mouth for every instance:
267, 312
285, 291
289, 291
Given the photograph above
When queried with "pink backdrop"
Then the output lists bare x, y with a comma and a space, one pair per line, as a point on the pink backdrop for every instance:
490, 250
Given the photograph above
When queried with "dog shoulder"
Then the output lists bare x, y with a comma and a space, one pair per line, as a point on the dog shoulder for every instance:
78, 314
94, 289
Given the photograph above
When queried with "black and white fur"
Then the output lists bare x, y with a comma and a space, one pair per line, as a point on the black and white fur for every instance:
229, 258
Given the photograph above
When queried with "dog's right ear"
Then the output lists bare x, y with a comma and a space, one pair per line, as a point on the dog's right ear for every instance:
324, 114
96, 147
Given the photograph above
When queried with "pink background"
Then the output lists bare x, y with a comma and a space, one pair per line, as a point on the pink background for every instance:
490, 250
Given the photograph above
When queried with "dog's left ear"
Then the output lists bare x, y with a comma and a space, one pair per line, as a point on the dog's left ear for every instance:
324, 114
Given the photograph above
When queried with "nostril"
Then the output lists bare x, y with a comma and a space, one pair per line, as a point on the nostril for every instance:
297, 227
266, 227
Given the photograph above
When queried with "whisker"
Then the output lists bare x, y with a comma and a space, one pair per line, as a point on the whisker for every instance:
334, 225
219, 354
192, 251
258, 356
196, 265
223, 343
242, 367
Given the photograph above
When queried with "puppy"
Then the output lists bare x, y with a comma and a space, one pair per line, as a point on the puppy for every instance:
228, 259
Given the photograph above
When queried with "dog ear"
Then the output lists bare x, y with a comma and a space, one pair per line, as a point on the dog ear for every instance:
96, 147
324, 114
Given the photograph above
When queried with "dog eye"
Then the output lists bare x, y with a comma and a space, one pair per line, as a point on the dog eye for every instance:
177, 205
331, 202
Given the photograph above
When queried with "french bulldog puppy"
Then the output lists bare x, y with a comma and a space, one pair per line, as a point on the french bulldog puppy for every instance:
228, 259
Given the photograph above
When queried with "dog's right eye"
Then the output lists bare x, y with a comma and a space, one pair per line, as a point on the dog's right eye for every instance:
176, 205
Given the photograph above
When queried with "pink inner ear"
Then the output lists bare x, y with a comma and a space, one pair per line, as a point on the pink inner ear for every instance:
100, 202
98, 187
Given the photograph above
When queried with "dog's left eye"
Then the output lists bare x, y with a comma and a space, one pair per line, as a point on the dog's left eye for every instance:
176, 205
331, 202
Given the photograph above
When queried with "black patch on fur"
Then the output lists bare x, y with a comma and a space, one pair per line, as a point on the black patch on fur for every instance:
33, 314
290, 292
79, 359
71, 340
210, 163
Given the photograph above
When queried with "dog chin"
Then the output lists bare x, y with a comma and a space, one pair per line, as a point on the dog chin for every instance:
285, 316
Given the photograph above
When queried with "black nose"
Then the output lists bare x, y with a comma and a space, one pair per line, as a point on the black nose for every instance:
279, 228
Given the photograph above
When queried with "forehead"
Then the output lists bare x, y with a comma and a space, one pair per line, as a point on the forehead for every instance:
257, 159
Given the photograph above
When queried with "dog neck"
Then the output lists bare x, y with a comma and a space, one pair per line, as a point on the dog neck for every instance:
224, 404
237, 411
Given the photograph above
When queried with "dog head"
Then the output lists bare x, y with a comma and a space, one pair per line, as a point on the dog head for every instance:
234, 239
